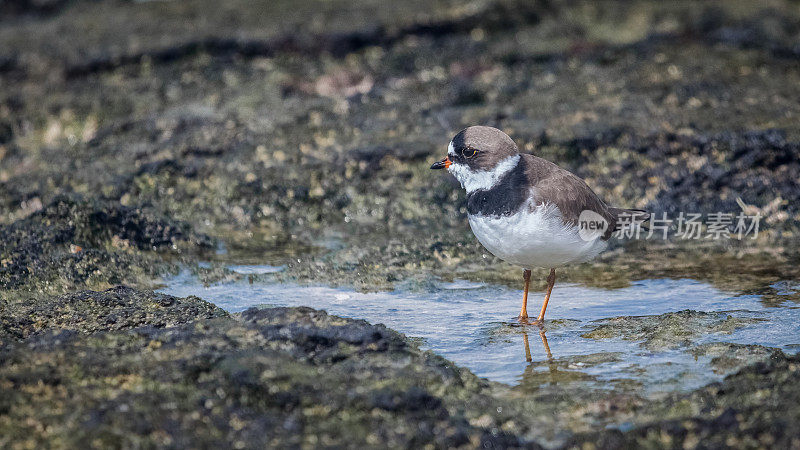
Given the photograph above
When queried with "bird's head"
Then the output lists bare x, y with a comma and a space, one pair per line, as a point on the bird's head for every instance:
478, 156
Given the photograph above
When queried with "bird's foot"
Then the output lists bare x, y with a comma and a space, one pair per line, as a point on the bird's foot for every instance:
528, 321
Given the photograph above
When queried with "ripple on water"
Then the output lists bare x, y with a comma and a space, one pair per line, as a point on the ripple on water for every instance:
654, 336
256, 269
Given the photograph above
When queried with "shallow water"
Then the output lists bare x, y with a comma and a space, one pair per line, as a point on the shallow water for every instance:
473, 324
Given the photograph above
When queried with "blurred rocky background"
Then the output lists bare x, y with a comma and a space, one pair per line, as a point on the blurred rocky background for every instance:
285, 128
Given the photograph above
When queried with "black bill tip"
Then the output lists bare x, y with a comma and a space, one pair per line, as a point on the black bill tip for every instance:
443, 164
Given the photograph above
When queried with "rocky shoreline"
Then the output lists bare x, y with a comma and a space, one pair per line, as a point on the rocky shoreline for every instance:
130, 368
299, 134
127, 368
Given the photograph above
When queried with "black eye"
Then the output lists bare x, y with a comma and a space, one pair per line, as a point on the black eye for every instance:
470, 152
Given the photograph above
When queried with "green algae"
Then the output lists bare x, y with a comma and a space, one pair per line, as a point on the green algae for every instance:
670, 330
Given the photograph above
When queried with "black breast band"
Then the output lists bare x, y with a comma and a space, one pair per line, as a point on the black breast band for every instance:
504, 198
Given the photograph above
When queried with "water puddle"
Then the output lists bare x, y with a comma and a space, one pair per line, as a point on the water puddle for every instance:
652, 337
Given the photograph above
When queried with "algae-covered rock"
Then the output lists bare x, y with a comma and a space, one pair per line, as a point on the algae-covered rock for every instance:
118, 308
757, 407
727, 357
179, 372
268, 377
669, 330
73, 242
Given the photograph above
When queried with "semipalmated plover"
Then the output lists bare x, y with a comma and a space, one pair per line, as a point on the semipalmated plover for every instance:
528, 211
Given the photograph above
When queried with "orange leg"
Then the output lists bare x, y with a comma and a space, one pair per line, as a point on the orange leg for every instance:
526, 274
551, 280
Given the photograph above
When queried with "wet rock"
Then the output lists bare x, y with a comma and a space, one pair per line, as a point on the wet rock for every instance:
318, 337
265, 377
118, 308
216, 273
729, 413
94, 223
728, 358
670, 330
73, 241
153, 378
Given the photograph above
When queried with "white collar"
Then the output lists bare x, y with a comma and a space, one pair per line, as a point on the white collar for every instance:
473, 180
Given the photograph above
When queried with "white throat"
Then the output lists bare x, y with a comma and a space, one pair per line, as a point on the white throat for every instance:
473, 180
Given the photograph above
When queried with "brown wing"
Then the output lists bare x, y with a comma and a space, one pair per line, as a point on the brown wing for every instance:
570, 194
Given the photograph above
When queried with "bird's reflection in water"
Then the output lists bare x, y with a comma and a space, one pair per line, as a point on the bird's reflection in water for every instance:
544, 344
533, 379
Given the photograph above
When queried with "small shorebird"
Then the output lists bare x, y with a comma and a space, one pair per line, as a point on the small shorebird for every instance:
528, 211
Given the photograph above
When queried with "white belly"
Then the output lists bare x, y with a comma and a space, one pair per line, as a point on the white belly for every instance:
534, 238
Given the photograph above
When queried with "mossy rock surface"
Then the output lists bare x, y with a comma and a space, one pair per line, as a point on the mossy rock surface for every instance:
170, 371
180, 372
299, 134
